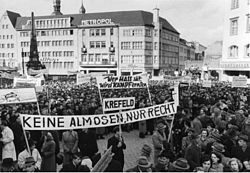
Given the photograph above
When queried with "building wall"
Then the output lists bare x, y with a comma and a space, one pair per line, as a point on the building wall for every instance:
8, 47
239, 37
57, 46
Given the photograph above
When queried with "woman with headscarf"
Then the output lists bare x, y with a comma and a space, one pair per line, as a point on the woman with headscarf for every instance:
48, 154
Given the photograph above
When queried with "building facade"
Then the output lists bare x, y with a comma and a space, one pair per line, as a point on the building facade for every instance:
122, 42
186, 53
236, 40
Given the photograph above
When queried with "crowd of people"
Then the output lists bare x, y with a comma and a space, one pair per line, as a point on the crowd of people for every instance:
210, 131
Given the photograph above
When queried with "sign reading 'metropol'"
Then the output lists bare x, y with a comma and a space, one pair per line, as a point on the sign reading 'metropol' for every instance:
97, 22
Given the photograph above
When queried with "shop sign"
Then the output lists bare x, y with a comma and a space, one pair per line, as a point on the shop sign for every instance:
235, 65
47, 59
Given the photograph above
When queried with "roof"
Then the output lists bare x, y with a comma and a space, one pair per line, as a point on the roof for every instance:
123, 18
13, 17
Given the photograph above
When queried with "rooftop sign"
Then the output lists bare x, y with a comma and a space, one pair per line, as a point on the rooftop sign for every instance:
97, 22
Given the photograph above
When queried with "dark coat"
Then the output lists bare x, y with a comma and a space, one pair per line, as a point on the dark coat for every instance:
18, 137
238, 153
87, 143
114, 166
48, 156
193, 156
118, 152
70, 167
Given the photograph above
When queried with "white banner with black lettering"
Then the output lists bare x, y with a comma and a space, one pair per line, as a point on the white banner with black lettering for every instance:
113, 104
59, 122
21, 95
121, 82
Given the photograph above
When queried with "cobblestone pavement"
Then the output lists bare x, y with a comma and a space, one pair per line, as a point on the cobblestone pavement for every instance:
133, 143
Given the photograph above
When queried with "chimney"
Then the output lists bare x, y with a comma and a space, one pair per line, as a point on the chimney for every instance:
156, 15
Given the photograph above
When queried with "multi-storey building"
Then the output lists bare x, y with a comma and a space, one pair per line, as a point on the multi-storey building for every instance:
236, 41
186, 53
122, 42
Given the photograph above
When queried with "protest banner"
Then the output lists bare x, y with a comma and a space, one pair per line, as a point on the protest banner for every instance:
22, 95
26, 82
36, 72
83, 78
207, 83
112, 104
239, 81
122, 82
64, 122
175, 92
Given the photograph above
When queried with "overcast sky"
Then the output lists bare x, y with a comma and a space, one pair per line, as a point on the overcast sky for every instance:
195, 20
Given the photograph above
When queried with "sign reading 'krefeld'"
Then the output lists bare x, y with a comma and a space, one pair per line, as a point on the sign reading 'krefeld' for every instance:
112, 104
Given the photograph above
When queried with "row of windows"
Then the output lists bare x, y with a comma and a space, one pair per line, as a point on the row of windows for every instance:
8, 55
50, 43
98, 57
53, 54
135, 45
137, 59
5, 26
98, 32
167, 36
235, 4
233, 51
234, 24
136, 32
51, 23
8, 45
60, 32
6, 36
59, 65
97, 44
170, 48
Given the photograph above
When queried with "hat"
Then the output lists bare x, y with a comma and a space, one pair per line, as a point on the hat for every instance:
146, 149
181, 164
143, 162
218, 148
7, 162
215, 135
161, 126
243, 137
29, 161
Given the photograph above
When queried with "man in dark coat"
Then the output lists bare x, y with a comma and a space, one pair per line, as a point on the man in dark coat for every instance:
87, 143
73, 165
118, 145
193, 153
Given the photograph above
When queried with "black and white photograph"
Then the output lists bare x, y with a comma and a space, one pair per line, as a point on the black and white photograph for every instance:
125, 86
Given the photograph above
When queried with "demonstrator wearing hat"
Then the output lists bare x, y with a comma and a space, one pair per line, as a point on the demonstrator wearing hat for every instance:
143, 165
242, 150
158, 139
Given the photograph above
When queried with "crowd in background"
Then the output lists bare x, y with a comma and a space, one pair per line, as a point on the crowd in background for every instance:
210, 132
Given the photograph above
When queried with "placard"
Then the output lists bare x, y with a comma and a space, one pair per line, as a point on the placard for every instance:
113, 104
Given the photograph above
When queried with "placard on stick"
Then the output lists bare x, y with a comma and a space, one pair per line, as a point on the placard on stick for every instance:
112, 104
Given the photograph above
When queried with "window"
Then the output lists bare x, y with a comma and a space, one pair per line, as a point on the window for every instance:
103, 44
71, 32
125, 45
92, 44
234, 26
148, 59
91, 32
98, 44
97, 57
233, 51
111, 31
103, 32
137, 45
247, 50
97, 32
149, 45
43, 33
234, 4
148, 33
248, 22
91, 57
